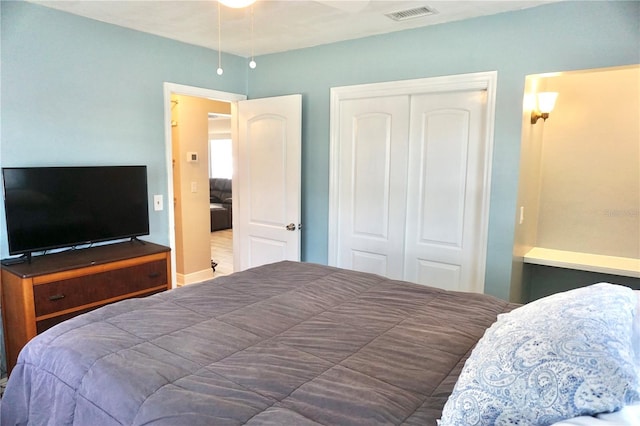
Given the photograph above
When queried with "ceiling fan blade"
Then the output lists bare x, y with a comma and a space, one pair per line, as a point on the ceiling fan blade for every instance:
349, 6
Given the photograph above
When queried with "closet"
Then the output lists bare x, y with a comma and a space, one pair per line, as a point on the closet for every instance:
410, 168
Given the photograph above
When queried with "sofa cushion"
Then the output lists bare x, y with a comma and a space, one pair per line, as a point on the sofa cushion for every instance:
219, 190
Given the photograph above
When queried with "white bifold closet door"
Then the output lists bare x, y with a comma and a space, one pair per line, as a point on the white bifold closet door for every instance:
373, 191
444, 185
411, 187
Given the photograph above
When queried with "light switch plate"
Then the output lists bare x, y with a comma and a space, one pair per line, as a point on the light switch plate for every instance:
157, 202
192, 157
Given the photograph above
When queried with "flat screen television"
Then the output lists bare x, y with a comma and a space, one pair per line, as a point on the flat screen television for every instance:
55, 207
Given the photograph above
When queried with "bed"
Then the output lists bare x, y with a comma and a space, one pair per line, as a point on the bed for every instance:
282, 344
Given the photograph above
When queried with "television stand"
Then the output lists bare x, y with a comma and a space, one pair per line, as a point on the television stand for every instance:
55, 287
16, 260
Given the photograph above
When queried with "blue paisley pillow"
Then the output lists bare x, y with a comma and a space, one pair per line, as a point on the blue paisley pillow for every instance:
567, 355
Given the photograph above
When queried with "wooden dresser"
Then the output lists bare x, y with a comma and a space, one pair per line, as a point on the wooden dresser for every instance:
59, 286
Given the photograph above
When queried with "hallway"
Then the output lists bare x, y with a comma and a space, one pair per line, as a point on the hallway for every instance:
222, 252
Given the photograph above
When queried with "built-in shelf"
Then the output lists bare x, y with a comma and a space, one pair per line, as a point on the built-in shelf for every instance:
613, 265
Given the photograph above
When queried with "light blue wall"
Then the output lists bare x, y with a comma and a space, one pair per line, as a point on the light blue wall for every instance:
80, 92
76, 91
557, 37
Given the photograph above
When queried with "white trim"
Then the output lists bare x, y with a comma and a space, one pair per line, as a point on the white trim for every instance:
179, 89
235, 202
450, 83
486, 81
490, 119
194, 277
613, 265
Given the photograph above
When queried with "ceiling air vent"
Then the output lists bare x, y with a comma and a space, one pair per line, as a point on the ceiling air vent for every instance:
416, 12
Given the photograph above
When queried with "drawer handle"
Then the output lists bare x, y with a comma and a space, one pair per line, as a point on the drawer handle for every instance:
56, 297
154, 275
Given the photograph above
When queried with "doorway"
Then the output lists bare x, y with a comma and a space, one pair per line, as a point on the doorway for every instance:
175, 220
220, 193
263, 131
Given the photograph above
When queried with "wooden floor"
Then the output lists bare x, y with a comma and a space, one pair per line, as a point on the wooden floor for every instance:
222, 252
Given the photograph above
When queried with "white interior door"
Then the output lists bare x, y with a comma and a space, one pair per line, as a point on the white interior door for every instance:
268, 172
445, 185
372, 189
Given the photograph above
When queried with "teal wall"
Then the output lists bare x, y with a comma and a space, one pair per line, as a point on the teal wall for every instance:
76, 91
541, 281
557, 37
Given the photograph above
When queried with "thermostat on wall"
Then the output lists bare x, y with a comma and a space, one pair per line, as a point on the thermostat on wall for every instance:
192, 157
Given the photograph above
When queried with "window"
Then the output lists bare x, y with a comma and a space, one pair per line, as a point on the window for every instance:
220, 159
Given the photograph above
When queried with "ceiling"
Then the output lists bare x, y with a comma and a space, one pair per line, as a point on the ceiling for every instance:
278, 25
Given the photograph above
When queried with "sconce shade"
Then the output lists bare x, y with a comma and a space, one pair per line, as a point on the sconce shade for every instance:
546, 102
237, 4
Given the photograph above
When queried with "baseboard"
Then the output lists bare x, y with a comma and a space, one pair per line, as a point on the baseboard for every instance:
194, 277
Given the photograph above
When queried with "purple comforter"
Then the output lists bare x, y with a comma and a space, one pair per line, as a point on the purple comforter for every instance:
283, 344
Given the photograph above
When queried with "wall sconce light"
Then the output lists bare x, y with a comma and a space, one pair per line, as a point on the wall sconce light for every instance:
546, 102
237, 4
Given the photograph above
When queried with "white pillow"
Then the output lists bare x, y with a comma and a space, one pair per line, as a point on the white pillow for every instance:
627, 416
636, 330
566, 355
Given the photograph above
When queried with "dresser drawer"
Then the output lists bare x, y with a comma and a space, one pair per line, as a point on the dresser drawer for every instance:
45, 324
71, 293
55, 287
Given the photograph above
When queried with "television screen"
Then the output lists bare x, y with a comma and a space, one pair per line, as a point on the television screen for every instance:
53, 207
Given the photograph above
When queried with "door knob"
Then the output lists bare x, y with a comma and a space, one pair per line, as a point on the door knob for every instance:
291, 227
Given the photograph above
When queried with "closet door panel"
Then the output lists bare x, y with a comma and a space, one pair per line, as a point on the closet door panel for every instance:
444, 274
374, 263
371, 175
443, 160
444, 187
372, 190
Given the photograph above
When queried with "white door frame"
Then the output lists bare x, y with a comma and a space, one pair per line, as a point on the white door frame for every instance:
179, 89
486, 81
